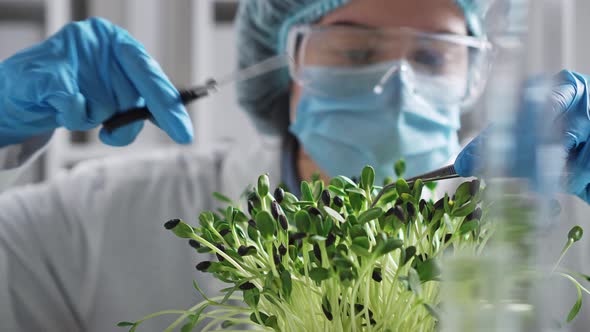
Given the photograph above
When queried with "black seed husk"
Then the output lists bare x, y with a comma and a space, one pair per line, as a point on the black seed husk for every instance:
250, 207
411, 210
476, 214
222, 248
327, 314
330, 240
283, 222
282, 250
247, 285
279, 195
274, 209
358, 307
171, 223
242, 250
439, 204
252, 223
194, 243
203, 266
314, 211
389, 212
338, 201
295, 237
399, 213
377, 275
422, 205
224, 232
317, 252
326, 198
448, 237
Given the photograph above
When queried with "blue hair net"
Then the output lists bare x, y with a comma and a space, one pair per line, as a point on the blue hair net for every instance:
263, 26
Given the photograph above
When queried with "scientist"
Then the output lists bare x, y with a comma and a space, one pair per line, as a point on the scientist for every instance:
373, 81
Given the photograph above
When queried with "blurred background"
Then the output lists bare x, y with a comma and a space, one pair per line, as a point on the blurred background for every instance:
194, 40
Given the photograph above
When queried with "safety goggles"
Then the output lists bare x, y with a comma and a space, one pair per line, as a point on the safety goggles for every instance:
346, 61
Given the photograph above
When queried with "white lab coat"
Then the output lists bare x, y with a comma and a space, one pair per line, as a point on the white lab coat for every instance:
87, 250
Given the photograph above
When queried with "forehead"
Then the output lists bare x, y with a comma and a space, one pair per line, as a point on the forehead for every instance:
426, 15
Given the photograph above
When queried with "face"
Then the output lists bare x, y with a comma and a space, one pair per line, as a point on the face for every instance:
437, 16
434, 16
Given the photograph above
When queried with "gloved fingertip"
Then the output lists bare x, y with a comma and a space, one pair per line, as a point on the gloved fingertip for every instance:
121, 136
178, 125
71, 111
462, 166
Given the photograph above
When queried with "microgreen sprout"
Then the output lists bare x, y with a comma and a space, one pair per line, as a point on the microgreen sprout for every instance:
342, 257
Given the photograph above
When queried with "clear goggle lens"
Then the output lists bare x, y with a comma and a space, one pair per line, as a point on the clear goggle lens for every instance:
448, 69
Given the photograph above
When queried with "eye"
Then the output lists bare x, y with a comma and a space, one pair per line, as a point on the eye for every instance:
359, 56
430, 58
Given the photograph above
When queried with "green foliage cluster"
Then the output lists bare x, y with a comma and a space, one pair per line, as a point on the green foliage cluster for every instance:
345, 256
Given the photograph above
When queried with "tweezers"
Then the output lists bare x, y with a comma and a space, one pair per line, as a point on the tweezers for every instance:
443, 173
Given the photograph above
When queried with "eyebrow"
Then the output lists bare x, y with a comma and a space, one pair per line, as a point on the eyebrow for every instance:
367, 26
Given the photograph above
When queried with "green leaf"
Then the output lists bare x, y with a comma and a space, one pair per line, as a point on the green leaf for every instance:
286, 284
302, 221
357, 191
272, 321
464, 210
346, 181
369, 215
399, 167
266, 224
367, 178
252, 297
431, 185
306, 193
240, 216
356, 201
361, 241
417, 188
428, 270
361, 251
263, 317
342, 263
252, 233
183, 230
319, 274
575, 234
122, 324
577, 306
463, 193
227, 323
468, 226
304, 203
402, 186
263, 185
222, 198
337, 190
389, 245
190, 325
335, 215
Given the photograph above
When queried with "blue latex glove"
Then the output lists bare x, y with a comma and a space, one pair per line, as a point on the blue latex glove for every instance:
79, 78
569, 101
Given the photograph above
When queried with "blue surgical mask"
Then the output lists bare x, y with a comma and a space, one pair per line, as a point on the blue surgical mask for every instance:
342, 134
